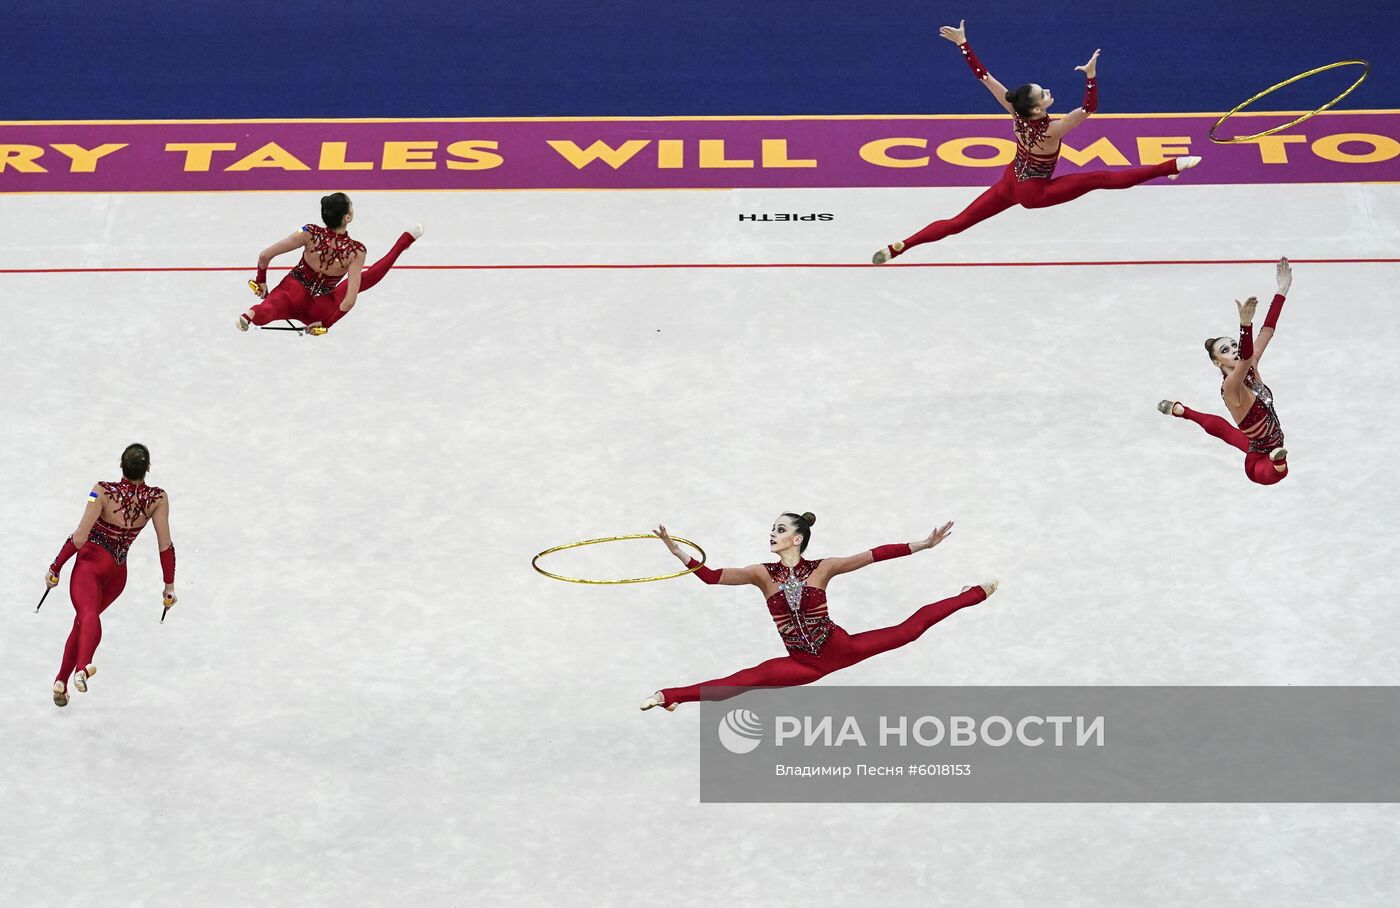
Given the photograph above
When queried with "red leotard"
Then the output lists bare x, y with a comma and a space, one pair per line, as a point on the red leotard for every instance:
1029, 179
310, 296
1260, 425
99, 576
1259, 432
332, 249
1030, 164
816, 645
799, 610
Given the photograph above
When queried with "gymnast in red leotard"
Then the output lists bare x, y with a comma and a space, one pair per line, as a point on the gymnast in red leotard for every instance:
795, 589
1251, 402
313, 292
1027, 180
115, 515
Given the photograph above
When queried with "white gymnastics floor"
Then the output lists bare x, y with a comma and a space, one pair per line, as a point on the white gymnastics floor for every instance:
366, 696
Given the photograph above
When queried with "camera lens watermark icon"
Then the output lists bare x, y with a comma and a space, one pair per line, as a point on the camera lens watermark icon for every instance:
740, 731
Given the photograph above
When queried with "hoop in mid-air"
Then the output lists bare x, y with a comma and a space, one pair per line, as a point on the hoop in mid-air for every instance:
1286, 82
534, 562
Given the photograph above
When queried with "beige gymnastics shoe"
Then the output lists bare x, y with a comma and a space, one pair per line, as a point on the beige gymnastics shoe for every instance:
656, 700
887, 252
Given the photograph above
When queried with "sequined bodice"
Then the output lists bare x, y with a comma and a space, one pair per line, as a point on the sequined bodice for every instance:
135, 502
332, 249
798, 610
1260, 425
1030, 164
116, 540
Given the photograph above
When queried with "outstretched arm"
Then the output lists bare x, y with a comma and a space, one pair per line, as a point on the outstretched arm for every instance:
959, 37
295, 241
1247, 328
830, 567
723, 576
1081, 113
1284, 273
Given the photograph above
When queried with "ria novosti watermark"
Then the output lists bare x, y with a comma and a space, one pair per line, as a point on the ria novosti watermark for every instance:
1053, 744
932, 731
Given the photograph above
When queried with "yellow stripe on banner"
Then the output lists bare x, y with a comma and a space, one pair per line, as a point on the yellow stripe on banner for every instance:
773, 119
969, 187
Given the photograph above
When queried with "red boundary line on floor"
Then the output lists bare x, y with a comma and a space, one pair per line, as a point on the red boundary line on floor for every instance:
1100, 264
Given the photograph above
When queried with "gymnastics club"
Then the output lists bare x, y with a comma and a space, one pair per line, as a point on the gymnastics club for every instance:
43, 597
165, 601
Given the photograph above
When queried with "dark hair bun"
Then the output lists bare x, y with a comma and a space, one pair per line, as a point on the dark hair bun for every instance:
334, 207
809, 517
136, 460
1020, 99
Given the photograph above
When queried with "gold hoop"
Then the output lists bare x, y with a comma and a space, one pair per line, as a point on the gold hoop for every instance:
1307, 116
534, 562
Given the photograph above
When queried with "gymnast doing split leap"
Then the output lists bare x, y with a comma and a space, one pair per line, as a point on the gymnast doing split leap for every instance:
1250, 401
313, 292
1027, 180
795, 590
116, 513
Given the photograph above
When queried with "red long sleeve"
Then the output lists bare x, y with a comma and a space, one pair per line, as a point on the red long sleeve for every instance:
262, 276
1275, 309
167, 564
973, 63
1246, 342
68, 551
707, 574
1091, 95
893, 550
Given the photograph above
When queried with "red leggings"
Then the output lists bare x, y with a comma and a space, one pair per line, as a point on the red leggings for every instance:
291, 299
96, 582
841, 650
1009, 191
1257, 465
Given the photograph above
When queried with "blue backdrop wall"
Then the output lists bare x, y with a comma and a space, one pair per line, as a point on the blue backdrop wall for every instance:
429, 58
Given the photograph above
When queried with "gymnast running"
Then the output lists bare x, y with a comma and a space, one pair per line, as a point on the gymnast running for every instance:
1250, 401
313, 292
115, 514
1027, 180
795, 589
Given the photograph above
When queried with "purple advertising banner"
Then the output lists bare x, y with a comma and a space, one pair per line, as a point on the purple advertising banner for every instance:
667, 153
